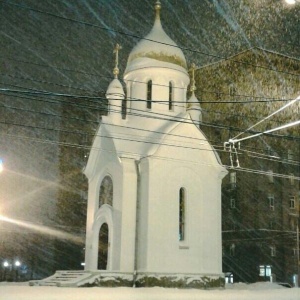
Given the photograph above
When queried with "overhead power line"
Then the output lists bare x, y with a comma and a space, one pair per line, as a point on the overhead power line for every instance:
97, 103
125, 139
24, 7
268, 117
73, 145
154, 115
96, 123
258, 99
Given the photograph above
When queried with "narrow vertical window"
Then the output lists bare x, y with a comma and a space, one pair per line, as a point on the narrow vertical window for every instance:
232, 91
292, 202
273, 251
149, 94
181, 214
290, 155
292, 179
271, 202
270, 176
170, 95
233, 180
232, 249
106, 191
232, 203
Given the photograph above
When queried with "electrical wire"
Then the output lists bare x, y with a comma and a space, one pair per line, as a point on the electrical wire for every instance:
266, 132
130, 99
154, 115
263, 99
268, 117
247, 170
24, 7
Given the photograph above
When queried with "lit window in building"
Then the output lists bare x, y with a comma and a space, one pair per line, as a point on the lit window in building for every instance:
292, 202
292, 223
290, 155
232, 91
232, 249
270, 176
292, 179
232, 203
265, 271
273, 251
271, 202
149, 94
233, 179
182, 214
171, 91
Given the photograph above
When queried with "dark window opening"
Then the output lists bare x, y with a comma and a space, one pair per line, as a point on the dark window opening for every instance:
181, 214
149, 94
106, 191
170, 95
103, 247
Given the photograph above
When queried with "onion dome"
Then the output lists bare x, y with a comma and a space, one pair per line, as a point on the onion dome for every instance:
156, 48
193, 104
115, 92
115, 88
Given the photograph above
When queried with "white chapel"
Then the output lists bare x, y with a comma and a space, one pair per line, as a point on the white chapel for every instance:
154, 198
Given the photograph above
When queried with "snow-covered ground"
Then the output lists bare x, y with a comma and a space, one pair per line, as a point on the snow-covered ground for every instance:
257, 291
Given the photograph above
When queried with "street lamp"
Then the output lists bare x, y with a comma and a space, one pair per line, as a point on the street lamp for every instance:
6, 264
17, 263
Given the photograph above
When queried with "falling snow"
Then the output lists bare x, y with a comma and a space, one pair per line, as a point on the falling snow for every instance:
43, 55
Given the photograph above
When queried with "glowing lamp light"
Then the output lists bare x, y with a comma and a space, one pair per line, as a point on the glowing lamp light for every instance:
290, 1
5, 264
17, 263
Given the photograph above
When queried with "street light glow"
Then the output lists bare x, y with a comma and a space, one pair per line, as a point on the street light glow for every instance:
17, 263
5, 264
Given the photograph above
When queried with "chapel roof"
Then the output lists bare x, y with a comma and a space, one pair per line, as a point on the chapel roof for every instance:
156, 47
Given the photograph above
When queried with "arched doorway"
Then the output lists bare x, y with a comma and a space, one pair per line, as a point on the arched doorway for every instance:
103, 247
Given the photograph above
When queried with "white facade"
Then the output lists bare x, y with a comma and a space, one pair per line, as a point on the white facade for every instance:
156, 156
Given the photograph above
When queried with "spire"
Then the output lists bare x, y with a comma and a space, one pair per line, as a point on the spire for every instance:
193, 105
116, 68
193, 83
157, 9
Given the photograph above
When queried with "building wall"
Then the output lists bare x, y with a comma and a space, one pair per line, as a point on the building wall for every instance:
252, 226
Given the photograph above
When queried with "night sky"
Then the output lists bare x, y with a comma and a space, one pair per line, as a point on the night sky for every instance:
67, 47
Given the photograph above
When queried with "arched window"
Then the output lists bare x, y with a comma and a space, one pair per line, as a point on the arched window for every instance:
171, 91
182, 205
106, 191
149, 94
103, 247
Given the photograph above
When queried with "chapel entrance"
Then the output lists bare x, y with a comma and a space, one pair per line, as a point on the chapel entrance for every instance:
103, 247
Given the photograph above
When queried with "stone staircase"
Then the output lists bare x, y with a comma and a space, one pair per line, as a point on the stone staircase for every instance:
64, 279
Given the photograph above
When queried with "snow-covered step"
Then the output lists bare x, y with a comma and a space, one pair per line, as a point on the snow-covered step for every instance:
63, 279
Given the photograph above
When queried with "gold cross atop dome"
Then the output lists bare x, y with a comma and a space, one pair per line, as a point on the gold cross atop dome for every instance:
193, 83
116, 68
